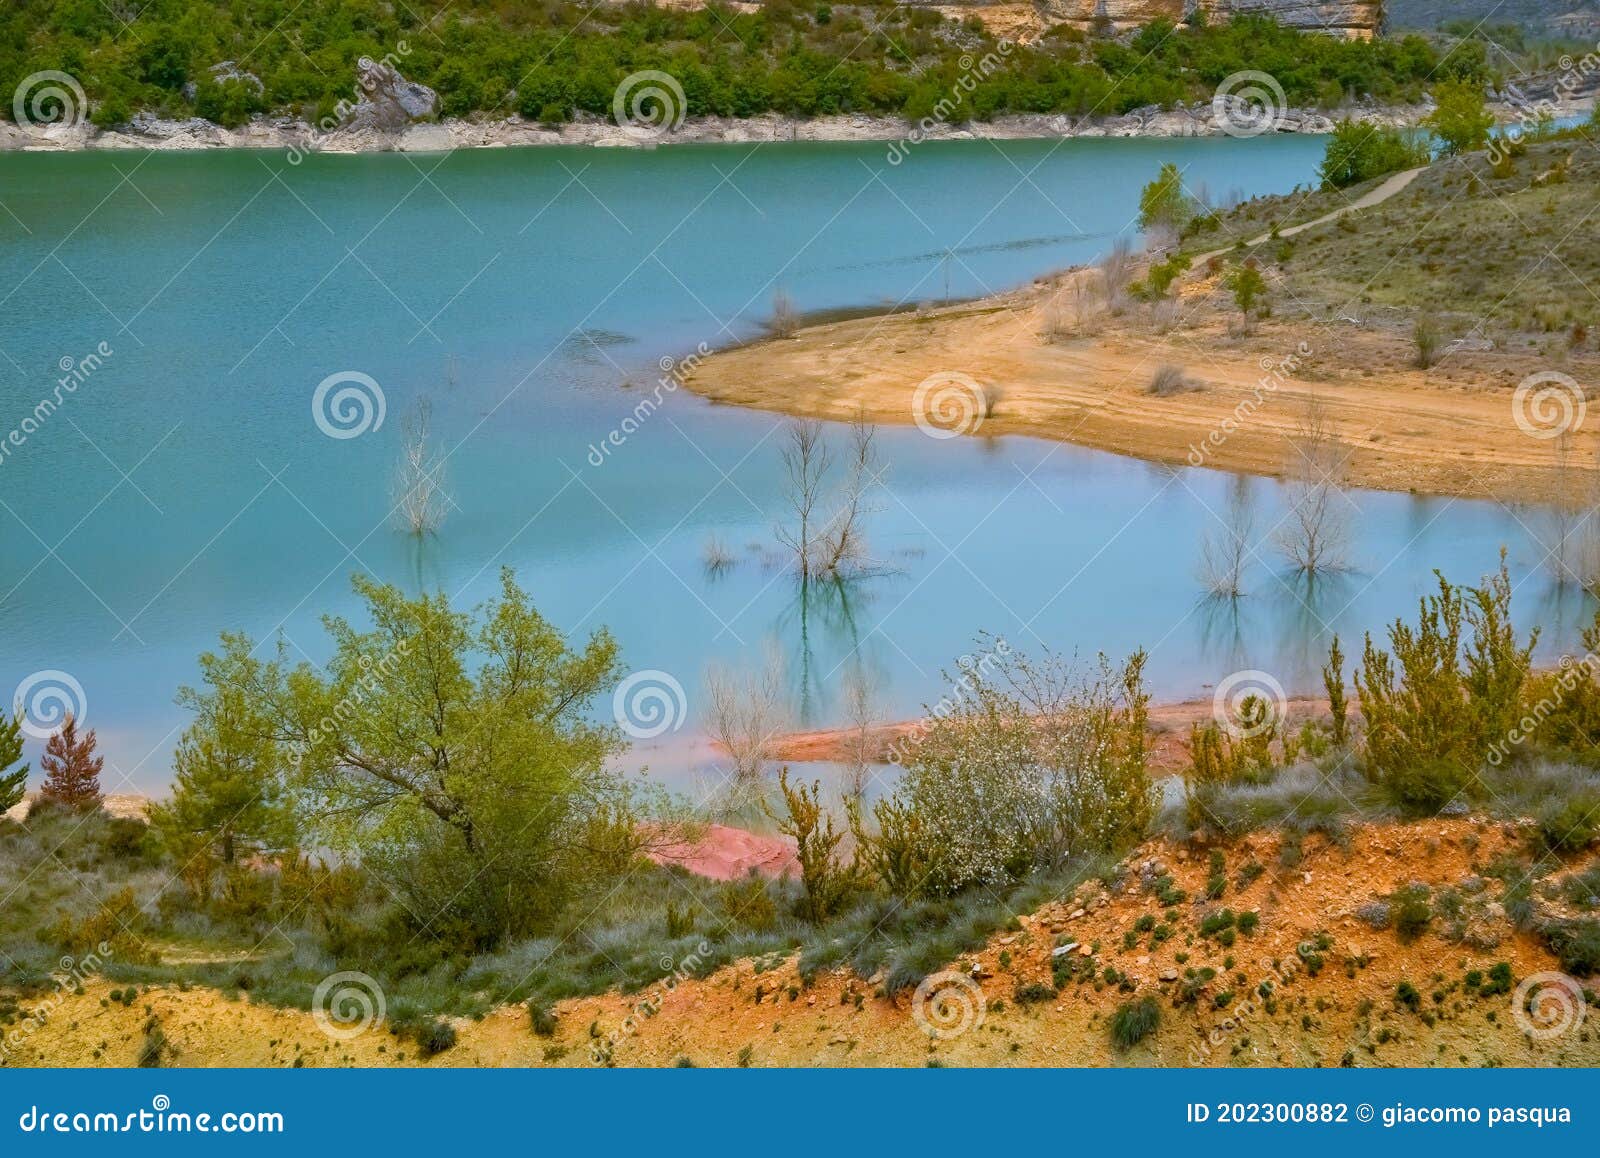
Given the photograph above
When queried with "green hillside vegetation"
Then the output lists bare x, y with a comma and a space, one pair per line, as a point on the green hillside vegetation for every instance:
559, 59
1503, 241
494, 858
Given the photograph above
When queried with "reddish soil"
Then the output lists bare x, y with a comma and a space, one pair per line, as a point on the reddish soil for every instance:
725, 854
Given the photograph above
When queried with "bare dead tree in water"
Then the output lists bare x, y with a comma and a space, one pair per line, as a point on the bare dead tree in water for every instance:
746, 716
860, 715
805, 461
1225, 548
1563, 551
1316, 534
419, 497
1583, 555
843, 539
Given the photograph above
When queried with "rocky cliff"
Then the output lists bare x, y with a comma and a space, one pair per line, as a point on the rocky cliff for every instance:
1358, 18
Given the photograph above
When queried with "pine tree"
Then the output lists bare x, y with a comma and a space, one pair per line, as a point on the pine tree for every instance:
12, 784
227, 796
71, 769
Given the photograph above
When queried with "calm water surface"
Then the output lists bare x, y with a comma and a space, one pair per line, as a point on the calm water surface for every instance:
183, 488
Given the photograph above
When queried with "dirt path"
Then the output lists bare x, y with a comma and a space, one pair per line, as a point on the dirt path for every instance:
1374, 196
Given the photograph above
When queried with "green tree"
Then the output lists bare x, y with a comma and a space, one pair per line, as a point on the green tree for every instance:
1247, 286
227, 795
1358, 152
12, 784
454, 754
1461, 121
1163, 204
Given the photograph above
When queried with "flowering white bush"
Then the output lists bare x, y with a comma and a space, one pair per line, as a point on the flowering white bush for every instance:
1034, 762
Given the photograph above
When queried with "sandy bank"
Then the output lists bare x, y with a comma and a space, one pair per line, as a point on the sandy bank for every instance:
1050, 361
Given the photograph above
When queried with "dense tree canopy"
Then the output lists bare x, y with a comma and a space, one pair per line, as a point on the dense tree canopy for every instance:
554, 60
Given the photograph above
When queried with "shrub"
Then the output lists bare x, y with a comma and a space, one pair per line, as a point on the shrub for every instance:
435, 1037
1425, 338
1406, 994
1435, 703
1037, 759
826, 882
1134, 1021
1576, 944
1033, 993
1410, 911
1168, 380
1569, 824
1374, 914
541, 1018
155, 1047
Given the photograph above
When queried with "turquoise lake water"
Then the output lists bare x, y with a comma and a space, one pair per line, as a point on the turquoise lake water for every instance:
183, 488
